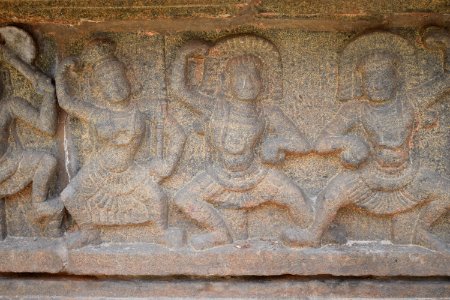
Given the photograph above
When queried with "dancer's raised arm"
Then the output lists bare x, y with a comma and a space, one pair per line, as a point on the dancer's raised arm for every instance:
433, 89
71, 103
199, 102
43, 119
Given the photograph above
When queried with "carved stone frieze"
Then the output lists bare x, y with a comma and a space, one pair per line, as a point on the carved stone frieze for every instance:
225, 153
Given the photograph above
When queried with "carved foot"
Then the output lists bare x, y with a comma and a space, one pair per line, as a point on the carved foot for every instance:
48, 215
48, 209
209, 240
174, 237
430, 241
82, 238
300, 238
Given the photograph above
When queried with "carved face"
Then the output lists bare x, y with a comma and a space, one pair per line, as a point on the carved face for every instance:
244, 78
379, 77
111, 81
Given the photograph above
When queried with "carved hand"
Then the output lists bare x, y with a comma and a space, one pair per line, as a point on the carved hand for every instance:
159, 168
179, 83
40, 81
272, 151
355, 152
44, 85
68, 63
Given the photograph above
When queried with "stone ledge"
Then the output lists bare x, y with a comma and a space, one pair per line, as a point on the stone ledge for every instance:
256, 258
259, 259
29, 255
230, 11
288, 287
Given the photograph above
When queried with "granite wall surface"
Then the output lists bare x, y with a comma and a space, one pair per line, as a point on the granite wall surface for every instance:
224, 149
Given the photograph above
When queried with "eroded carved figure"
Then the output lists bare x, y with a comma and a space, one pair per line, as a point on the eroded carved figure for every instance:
240, 77
383, 174
111, 188
19, 166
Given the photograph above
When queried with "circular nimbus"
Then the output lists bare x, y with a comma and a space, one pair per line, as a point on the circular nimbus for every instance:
349, 84
267, 52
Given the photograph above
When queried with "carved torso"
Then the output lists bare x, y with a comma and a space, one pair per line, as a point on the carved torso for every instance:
389, 128
233, 133
119, 136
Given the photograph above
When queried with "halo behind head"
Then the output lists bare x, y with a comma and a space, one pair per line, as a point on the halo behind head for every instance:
376, 45
250, 45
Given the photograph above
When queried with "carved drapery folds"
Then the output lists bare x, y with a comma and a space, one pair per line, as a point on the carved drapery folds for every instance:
244, 190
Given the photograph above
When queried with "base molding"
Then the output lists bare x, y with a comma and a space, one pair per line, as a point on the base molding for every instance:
243, 258
74, 287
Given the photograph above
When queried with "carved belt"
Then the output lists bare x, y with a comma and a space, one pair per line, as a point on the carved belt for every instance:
378, 179
237, 181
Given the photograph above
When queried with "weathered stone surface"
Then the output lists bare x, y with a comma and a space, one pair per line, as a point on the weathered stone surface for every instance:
225, 138
313, 14
259, 259
31, 255
25, 255
288, 287
124, 142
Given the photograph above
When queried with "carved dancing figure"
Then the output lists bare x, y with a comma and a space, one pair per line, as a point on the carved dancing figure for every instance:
384, 176
111, 188
240, 129
18, 166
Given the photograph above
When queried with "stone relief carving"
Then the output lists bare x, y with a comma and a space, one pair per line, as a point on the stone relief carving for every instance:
120, 201
242, 131
20, 166
383, 174
112, 189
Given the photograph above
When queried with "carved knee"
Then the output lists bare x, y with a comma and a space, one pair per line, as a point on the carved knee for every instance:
183, 198
67, 194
